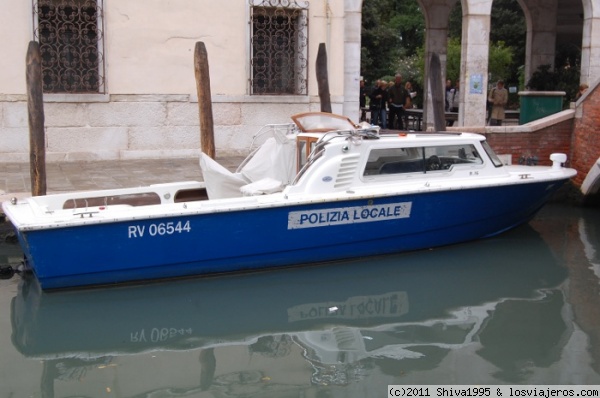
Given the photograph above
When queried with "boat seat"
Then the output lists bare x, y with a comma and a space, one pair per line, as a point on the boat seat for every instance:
414, 166
263, 186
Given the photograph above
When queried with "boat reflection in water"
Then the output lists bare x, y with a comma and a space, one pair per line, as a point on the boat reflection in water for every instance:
367, 322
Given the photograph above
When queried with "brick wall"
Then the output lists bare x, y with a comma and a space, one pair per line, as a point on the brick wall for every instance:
586, 134
578, 137
540, 144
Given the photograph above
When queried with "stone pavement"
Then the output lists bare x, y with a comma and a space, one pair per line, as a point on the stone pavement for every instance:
84, 176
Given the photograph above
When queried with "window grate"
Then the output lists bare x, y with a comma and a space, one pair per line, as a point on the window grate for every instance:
70, 36
279, 47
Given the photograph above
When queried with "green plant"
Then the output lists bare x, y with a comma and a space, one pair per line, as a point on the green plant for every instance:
558, 79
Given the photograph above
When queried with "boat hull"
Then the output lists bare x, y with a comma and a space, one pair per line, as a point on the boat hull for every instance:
251, 239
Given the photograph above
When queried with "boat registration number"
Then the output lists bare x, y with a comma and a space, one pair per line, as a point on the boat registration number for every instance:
348, 215
159, 229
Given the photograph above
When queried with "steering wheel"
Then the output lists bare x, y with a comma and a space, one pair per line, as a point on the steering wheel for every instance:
434, 163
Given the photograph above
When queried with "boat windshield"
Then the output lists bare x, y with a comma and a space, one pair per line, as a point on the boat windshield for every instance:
488, 149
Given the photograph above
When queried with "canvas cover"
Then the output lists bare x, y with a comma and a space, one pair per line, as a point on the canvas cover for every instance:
273, 164
220, 182
275, 159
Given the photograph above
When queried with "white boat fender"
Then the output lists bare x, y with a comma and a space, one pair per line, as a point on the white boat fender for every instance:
557, 160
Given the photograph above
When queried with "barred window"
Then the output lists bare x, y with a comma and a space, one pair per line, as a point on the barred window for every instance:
70, 36
279, 45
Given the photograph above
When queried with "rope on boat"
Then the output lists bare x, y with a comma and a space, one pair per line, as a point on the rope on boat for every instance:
7, 271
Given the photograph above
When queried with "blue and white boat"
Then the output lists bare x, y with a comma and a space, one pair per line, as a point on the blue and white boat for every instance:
320, 189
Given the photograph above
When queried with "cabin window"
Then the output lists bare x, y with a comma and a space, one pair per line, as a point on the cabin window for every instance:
70, 36
420, 159
279, 47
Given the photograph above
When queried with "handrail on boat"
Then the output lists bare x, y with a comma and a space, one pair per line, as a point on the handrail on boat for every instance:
290, 128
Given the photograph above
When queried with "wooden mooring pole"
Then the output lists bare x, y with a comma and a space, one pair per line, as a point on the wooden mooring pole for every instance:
323, 79
437, 92
35, 110
207, 132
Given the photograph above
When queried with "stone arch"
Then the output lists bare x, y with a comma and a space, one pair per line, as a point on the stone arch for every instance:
540, 17
546, 33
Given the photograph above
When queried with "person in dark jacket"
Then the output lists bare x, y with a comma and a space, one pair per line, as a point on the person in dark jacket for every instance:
363, 101
379, 98
399, 98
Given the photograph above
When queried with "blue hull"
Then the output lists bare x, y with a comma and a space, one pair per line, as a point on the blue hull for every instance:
273, 237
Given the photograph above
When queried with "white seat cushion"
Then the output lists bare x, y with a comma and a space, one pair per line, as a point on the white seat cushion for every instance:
263, 186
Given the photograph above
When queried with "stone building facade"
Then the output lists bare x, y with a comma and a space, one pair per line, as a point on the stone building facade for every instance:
119, 79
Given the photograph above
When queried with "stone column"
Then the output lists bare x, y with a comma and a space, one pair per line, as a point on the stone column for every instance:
436, 14
352, 30
540, 48
590, 47
474, 62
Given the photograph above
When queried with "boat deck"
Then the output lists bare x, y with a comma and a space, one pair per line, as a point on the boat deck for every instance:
90, 176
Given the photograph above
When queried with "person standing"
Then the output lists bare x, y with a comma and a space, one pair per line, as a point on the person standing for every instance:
389, 111
582, 89
373, 104
362, 100
409, 103
399, 99
379, 98
498, 97
411, 94
448, 98
453, 100
384, 100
